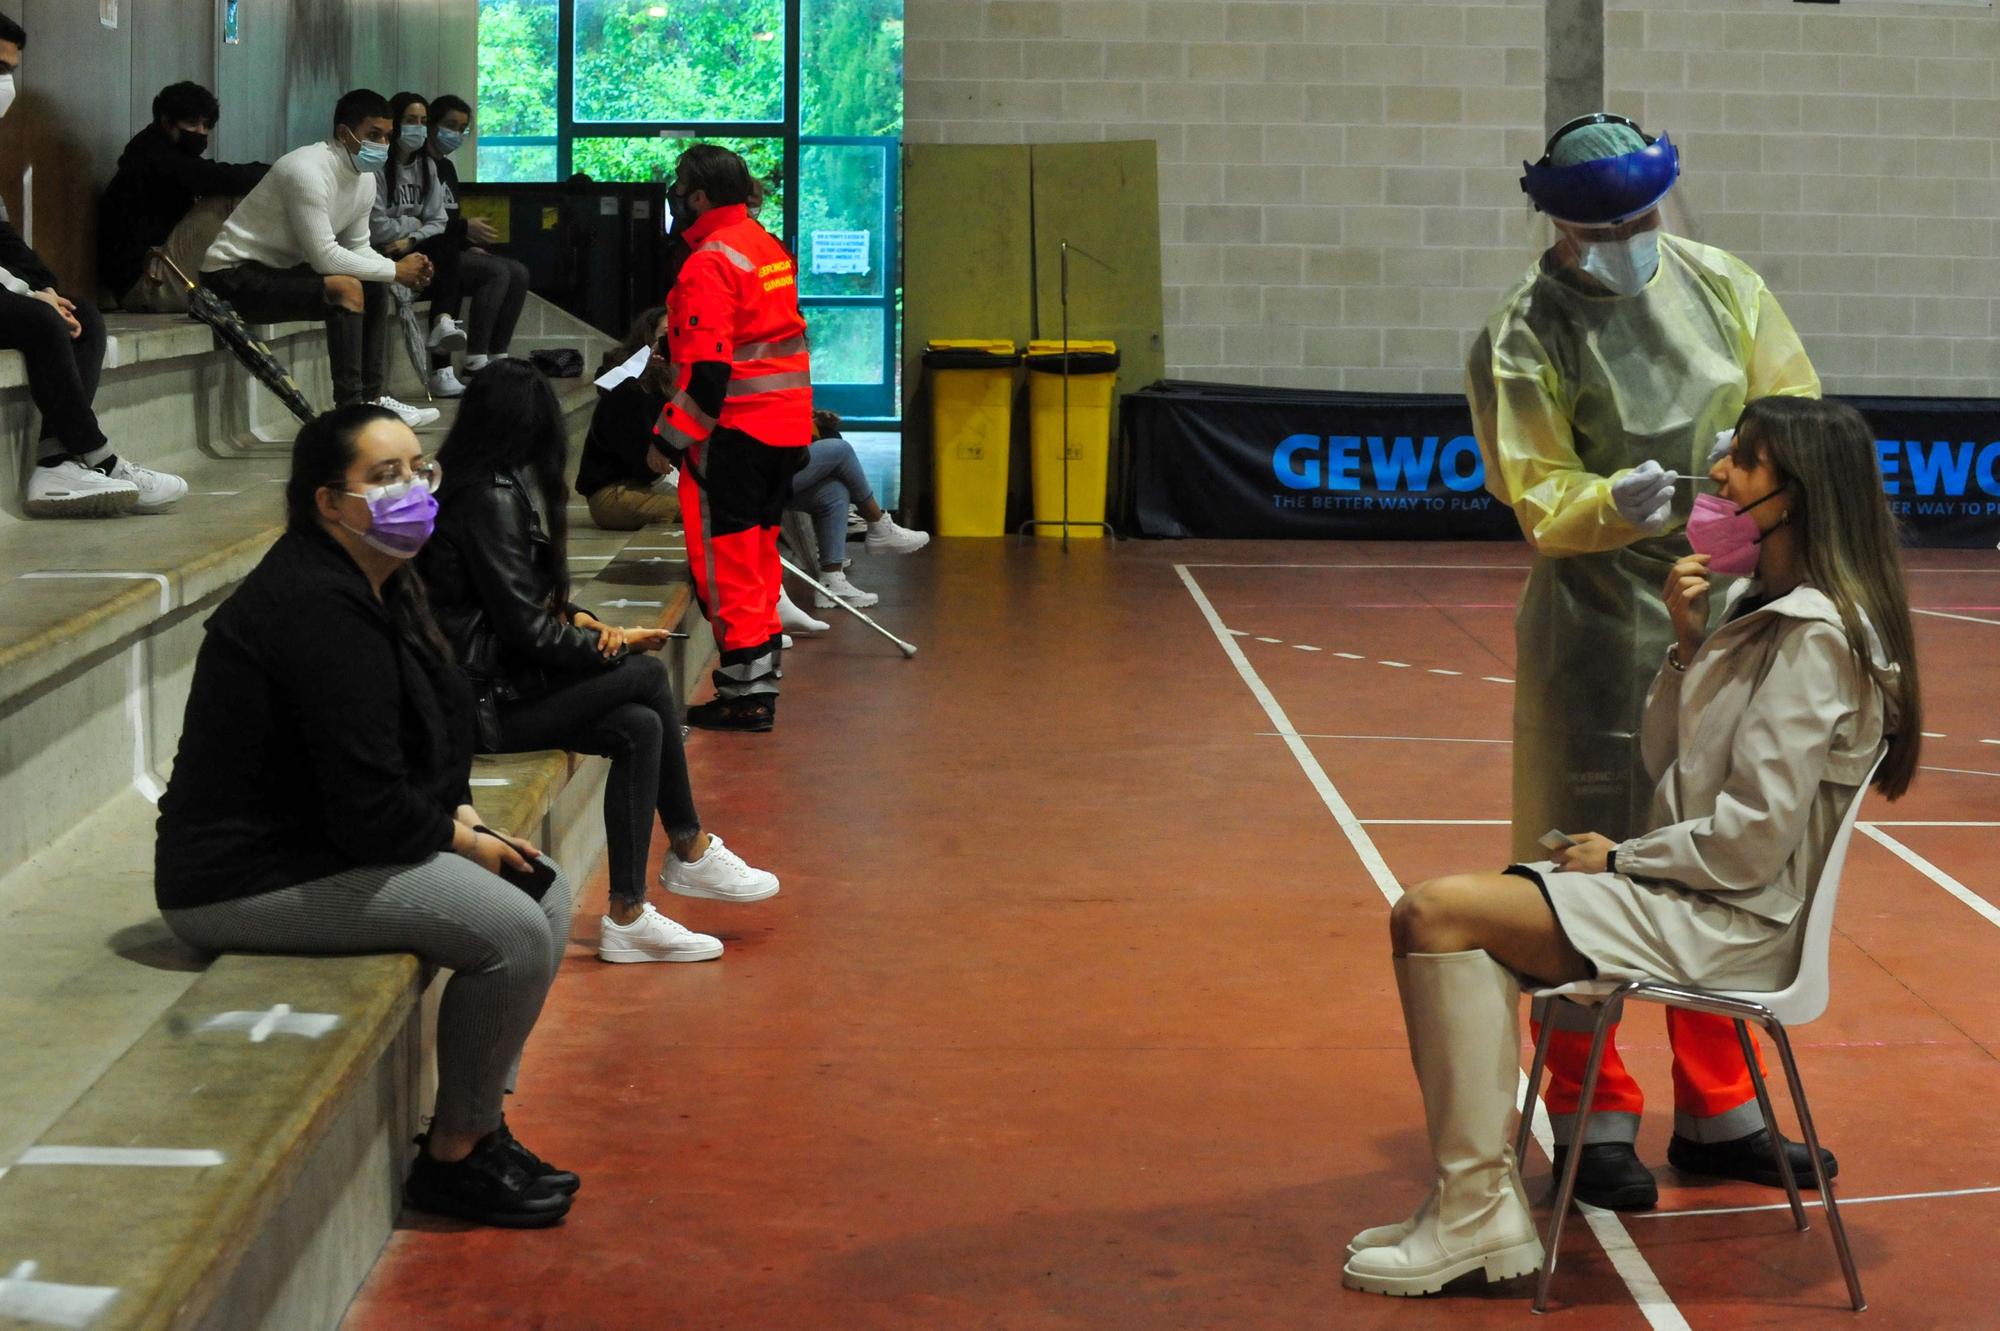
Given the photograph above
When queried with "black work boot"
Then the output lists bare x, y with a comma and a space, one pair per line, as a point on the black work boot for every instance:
488, 1187
1612, 1176
753, 715
1749, 1159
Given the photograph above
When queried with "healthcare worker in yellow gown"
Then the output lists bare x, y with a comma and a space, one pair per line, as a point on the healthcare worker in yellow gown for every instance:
1598, 390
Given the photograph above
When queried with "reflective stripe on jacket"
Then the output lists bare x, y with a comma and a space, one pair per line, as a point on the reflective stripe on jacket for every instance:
736, 301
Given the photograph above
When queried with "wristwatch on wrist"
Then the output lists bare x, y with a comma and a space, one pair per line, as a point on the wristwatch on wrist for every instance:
1674, 659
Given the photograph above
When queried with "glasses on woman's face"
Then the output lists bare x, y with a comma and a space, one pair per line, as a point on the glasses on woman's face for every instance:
393, 480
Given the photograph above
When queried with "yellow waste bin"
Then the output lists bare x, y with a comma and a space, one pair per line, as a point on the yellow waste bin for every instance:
1090, 386
972, 417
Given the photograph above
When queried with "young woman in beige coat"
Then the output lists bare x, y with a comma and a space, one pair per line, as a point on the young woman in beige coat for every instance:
1758, 737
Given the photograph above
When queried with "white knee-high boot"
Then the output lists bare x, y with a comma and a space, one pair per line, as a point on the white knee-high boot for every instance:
1388, 1236
1464, 1022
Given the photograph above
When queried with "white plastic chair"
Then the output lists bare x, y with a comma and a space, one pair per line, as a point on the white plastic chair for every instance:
1802, 1001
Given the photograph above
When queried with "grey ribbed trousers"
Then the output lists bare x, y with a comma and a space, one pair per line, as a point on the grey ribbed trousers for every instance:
501, 945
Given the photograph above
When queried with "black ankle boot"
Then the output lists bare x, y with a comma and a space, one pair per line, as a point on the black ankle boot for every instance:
1612, 1176
1749, 1159
750, 715
488, 1187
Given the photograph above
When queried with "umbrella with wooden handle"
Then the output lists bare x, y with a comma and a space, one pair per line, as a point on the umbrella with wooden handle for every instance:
207, 307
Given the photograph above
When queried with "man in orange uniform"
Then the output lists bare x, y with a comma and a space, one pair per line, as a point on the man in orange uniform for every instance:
742, 411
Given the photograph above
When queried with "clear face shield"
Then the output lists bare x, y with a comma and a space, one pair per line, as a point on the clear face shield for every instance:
1604, 216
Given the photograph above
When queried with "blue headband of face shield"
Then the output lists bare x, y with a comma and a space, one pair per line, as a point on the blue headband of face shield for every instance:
1606, 191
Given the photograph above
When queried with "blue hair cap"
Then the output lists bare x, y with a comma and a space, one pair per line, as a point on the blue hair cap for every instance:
1606, 190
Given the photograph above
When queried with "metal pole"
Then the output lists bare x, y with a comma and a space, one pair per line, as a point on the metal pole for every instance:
1066, 524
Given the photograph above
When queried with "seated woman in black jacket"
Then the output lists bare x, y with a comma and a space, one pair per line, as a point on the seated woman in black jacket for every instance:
551, 676
614, 474
320, 800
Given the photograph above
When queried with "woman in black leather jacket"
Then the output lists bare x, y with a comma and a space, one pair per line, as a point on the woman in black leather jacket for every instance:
548, 675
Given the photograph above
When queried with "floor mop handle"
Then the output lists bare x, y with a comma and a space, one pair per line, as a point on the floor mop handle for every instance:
907, 648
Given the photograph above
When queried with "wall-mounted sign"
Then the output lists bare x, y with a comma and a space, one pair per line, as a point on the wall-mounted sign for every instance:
840, 252
232, 33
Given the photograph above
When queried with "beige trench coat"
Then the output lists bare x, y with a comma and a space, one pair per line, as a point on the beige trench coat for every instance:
1756, 753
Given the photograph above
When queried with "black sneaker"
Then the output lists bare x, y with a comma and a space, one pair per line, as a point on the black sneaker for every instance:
1612, 1176
488, 1187
753, 716
1749, 1159
561, 1180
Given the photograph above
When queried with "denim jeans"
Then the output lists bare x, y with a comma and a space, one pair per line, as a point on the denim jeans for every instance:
831, 479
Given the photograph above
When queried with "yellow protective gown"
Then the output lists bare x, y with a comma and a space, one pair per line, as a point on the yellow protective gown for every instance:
1570, 388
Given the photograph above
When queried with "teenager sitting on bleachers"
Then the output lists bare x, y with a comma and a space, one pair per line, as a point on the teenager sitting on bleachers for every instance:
320, 801
822, 490
297, 248
166, 194
614, 475
499, 285
409, 218
61, 338
551, 676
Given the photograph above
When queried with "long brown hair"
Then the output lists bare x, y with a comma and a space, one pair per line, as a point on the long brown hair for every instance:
1848, 541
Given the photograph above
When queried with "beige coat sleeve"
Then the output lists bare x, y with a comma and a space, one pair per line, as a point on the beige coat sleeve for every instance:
1777, 758
1659, 731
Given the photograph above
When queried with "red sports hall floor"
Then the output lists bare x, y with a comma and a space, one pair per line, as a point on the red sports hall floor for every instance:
1076, 1011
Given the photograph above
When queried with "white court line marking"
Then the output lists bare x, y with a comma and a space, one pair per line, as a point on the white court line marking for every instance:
600, 559
1933, 734
1299, 646
1496, 679
1959, 771
49, 1303
216, 494
1882, 822
1844, 1201
1447, 672
134, 1156
1435, 822
1653, 1301
1969, 619
1239, 633
1407, 739
1350, 656
136, 694
1983, 741
1397, 665
1270, 640
489, 781
1979, 904
166, 590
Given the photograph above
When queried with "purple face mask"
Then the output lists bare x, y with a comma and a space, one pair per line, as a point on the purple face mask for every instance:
400, 518
1728, 535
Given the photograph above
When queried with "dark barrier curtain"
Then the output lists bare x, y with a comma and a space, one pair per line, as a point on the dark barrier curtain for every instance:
1225, 461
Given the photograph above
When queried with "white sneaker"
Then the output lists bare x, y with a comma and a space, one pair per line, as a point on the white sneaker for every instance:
719, 874
445, 384
446, 335
653, 937
838, 584
856, 524
158, 491
785, 641
70, 489
797, 620
414, 417
886, 538
474, 364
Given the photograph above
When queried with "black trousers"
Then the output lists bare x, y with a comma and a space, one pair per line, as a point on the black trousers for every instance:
627, 714
62, 371
357, 344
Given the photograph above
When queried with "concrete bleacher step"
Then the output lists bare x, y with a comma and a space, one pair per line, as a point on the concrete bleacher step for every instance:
101, 1005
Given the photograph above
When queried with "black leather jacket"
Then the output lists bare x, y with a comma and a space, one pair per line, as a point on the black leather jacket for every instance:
490, 568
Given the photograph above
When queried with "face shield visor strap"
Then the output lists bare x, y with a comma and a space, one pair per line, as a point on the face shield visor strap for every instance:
1607, 191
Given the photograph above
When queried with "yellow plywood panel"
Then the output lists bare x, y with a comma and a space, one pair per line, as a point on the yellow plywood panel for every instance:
1104, 200
967, 269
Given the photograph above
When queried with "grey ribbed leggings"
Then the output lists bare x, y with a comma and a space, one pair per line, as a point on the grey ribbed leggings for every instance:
501, 946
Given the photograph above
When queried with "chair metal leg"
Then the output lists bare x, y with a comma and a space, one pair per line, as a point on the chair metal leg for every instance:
1776, 1030
1534, 1090
1607, 1017
1771, 1126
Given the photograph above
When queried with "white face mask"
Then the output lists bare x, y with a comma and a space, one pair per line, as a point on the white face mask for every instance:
1627, 265
7, 93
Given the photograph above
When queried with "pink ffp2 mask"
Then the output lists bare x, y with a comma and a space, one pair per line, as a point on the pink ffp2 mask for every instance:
1728, 535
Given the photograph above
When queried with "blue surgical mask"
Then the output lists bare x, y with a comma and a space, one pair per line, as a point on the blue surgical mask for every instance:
413, 137
1625, 266
449, 141
370, 158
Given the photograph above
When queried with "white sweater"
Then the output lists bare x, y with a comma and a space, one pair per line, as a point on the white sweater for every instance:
312, 208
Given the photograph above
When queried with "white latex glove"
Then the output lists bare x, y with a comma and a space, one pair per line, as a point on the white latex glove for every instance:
1644, 496
1723, 439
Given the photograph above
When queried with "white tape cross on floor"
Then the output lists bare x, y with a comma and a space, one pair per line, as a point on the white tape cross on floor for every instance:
137, 1157
46, 1303
1654, 1304
280, 1020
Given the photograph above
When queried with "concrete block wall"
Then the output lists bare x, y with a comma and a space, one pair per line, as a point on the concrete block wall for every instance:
1338, 200
1339, 196
1849, 153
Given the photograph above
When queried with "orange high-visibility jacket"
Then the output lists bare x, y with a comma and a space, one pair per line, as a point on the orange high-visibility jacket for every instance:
737, 301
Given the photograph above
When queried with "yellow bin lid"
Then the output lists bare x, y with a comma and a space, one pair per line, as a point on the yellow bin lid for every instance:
998, 347
1053, 346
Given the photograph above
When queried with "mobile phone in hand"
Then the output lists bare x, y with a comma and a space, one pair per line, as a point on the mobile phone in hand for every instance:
1552, 840
541, 875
